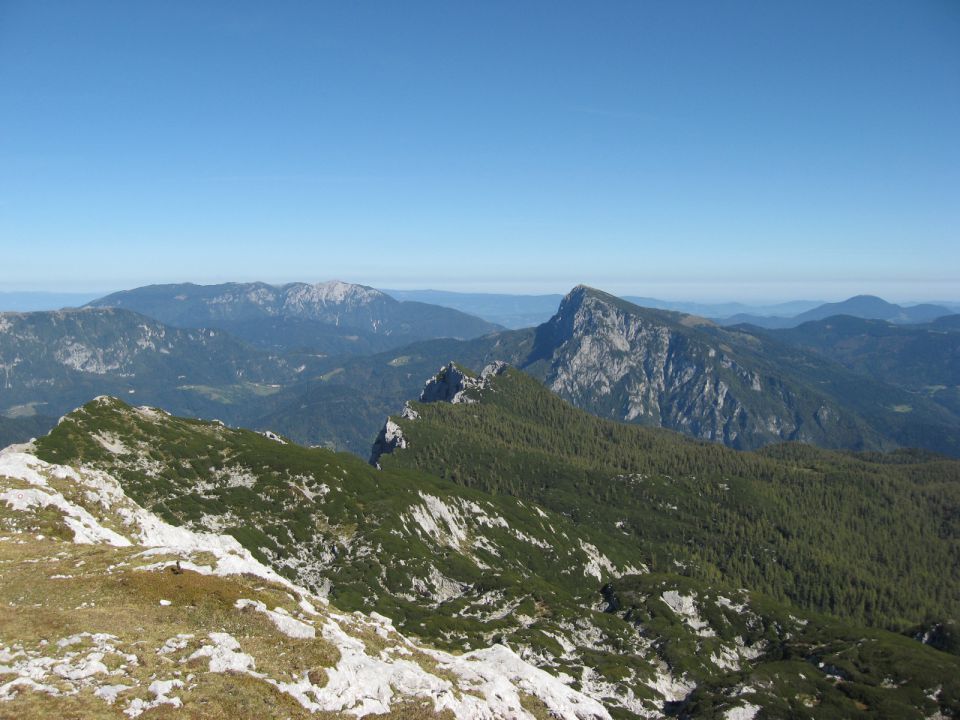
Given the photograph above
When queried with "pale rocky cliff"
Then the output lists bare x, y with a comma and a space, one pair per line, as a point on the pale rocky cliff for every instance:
668, 370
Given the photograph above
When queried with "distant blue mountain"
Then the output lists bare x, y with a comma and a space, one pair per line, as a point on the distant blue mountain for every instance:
867, 307
330, 317
723, 310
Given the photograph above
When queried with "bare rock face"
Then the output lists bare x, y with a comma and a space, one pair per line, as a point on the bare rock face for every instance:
664, 369
497, 367
390, 438
451, 384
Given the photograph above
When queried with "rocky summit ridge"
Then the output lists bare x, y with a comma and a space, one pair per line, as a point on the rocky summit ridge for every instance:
455, 385
253, 310
239, 300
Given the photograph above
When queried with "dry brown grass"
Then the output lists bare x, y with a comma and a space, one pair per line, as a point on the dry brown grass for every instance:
105, 593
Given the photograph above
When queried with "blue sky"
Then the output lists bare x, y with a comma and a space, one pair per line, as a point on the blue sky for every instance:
699, 150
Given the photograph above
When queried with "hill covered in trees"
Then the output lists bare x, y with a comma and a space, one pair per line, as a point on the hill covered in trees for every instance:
872, 538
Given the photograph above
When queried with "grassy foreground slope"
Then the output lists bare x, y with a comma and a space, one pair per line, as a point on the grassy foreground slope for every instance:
463, 568
111, 613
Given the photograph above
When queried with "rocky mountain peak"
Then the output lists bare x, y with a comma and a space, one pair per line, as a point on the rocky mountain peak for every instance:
650, 366
389, 439
578, 296
584, 302
454, 385
584, 313
305, 300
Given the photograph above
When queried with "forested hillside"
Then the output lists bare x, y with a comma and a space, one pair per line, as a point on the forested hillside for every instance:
871, 538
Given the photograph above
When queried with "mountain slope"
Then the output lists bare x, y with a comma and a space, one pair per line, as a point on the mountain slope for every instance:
113, 613
947, 323
464, 568
682, 372
669, 370
332, 317
676, 371
911, 356
52, 361
341, 403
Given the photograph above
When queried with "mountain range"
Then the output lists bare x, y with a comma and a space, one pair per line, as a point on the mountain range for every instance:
52, 361
331, 317
519, 311
921, 357
868, 307
210, 351
742, 386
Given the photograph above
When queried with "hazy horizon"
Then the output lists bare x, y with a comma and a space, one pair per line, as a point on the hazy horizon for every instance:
649, 292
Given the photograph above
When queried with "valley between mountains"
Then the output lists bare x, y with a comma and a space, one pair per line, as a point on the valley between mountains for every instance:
623, 512
310, 362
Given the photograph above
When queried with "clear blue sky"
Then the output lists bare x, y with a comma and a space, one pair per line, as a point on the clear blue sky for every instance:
701, 150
